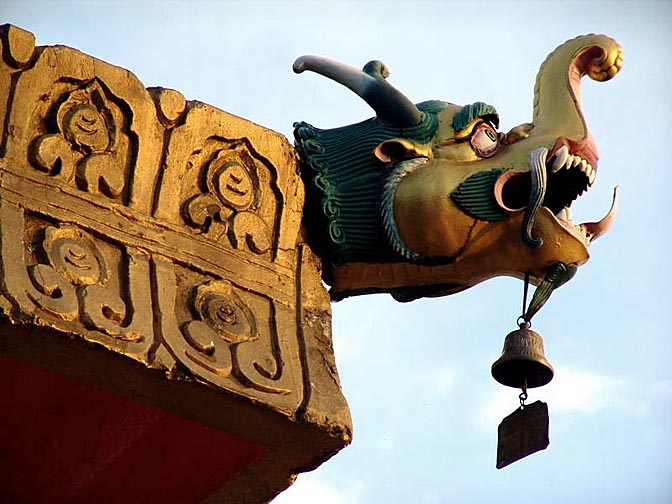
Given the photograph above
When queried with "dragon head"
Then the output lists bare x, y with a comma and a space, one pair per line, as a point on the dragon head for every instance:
430, 199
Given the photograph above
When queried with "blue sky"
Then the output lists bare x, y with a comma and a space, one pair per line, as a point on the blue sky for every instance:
417, 376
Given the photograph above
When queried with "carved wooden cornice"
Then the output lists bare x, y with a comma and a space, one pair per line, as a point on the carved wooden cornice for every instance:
137, 224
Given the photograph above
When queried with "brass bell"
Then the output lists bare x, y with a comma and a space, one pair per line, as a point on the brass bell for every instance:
523, 364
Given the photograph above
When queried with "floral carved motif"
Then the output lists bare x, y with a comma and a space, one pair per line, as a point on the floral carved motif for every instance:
224, 320
231, 337
72, 280
237, 203
74, 262
87, 145
74, 255
223, 312
225, 323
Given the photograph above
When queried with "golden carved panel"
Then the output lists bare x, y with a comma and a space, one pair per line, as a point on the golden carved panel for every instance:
160, 229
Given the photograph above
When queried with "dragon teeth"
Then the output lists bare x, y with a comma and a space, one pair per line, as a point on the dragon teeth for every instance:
560, 158
589, 171
591, 176
565, 160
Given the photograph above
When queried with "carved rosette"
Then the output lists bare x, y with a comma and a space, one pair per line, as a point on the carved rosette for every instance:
229, 336
222, 315
237, 205
71, 280
85, 142
223, 320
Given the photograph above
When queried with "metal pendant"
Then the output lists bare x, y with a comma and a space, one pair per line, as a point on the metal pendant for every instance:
522, 433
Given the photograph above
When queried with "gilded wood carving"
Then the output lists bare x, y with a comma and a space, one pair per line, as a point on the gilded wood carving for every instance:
161, 229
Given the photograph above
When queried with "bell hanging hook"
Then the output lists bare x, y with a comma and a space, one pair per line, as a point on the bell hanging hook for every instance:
557, 275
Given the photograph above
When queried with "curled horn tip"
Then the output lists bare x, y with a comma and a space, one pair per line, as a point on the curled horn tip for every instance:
299, 65
377, 68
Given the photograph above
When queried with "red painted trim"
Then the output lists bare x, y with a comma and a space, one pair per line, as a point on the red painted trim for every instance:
63, 441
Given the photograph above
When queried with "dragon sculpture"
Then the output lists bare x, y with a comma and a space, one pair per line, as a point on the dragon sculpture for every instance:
429, 199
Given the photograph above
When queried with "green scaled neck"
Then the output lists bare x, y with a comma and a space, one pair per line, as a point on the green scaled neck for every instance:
344, 183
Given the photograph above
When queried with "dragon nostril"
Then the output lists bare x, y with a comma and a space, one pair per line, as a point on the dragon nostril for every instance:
512, 191
516, 193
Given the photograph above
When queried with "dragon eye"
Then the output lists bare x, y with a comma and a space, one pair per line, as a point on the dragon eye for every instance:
484, 140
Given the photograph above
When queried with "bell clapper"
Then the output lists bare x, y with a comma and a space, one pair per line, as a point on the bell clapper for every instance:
523, 394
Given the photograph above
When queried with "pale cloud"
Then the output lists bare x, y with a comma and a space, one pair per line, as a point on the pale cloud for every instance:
571, 391
576, 391
309, 489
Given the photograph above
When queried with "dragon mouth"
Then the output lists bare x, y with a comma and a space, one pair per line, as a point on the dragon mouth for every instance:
554, 181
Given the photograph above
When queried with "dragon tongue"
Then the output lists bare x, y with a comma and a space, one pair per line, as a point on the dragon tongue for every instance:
593, 230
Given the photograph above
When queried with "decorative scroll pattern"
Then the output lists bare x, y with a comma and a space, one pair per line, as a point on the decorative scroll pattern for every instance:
76, 282
228, 336
88, 144
194, 289
237, 204
82, 284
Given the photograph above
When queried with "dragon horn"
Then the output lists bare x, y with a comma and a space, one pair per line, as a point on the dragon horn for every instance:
369, 84
557, 93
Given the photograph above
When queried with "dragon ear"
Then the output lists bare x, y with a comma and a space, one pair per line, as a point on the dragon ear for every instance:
399, 149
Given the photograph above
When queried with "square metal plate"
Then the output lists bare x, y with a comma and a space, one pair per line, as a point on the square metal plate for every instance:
522, 433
